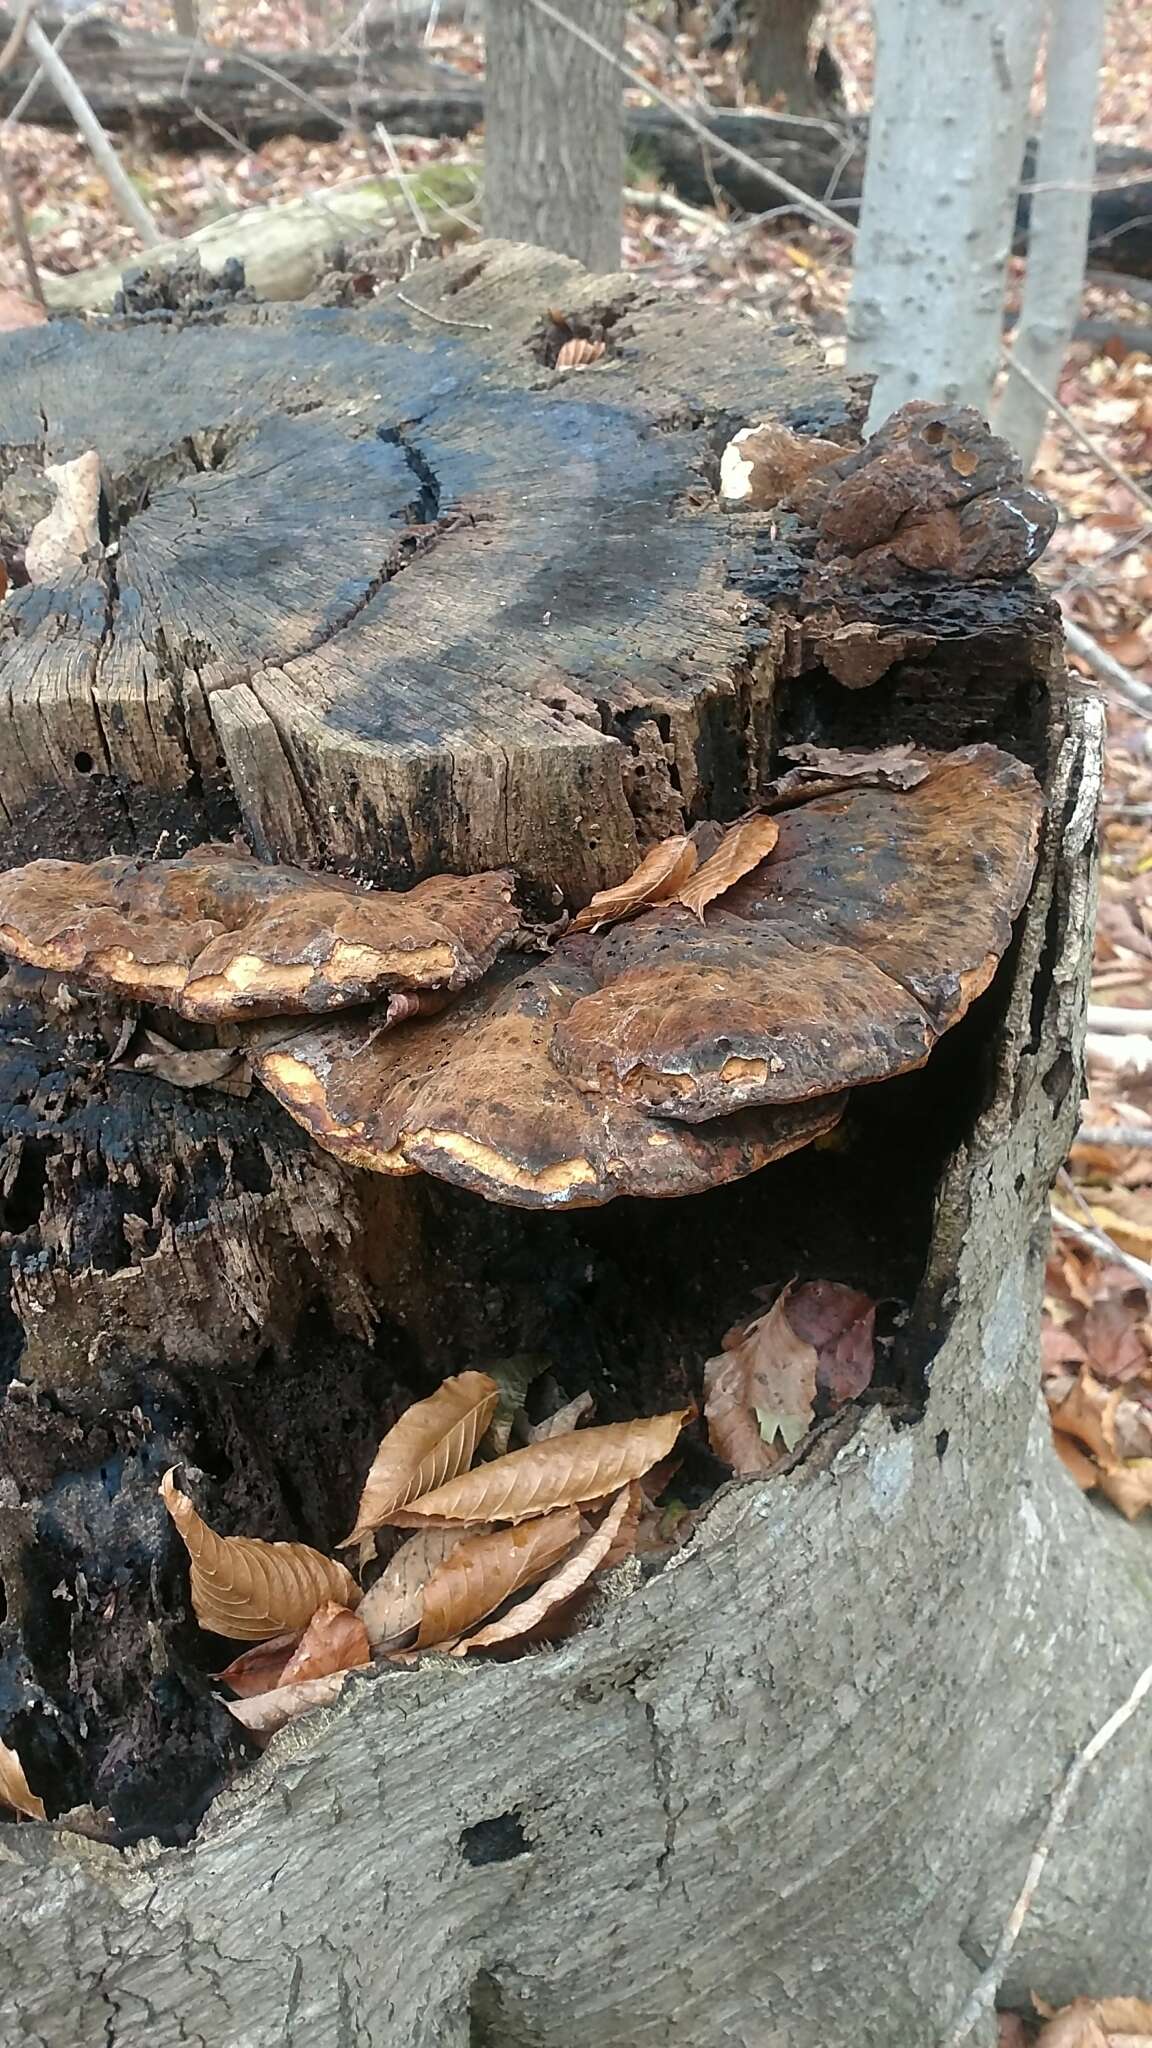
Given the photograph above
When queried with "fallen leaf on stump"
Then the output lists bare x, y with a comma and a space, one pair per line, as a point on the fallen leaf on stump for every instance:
563, 1471
65, 546
660, 874
840, 1323
15, 1790
270, 1711
334, 1640
392, 1607
484, 1571
259, 1670
565, 1419
247, 1589
1099, 2023
761, 1388
528, 1614
432, 1442
740, 850
210, 1067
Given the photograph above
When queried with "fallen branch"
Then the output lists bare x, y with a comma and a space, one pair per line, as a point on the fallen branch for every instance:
1130, 1056
1125, 1137
1099, 1242
104, 156
1108, 669
1101, 1017
984, 1993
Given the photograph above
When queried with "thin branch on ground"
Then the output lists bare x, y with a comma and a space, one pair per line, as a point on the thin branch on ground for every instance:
404, 181
1099, 1242
20, 228
1129, 1056
1124, 1137
1089, 572
124, 192
983, 1997
441, 319
1103, 1017
802, 201
675, 209
30, 91
1086, 440
1109, 670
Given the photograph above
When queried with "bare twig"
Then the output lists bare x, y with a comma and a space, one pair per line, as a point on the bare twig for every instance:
1108, 669
1102, 1017
20, 228
676, 209
1124, 1137
404, 181
15, 42
104, 156
1099, 1242
1086, 440
37, 79
802, 201
1129, 1056
983, 1996
441, 319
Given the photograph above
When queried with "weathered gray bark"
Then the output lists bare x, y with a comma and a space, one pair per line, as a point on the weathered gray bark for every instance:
783, 1790
554, 130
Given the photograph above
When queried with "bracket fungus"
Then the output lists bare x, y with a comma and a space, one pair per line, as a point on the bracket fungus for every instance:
878, 917
219, 936
474, 1096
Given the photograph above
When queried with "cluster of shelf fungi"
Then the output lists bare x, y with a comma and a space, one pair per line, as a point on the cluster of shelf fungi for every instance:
463, 1030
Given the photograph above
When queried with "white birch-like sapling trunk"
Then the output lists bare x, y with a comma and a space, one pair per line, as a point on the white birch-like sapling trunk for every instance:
939, 202
1059, 216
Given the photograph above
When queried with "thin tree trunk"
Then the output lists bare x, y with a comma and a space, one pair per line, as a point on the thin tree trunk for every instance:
554, 150
947, 139
1061, 210
186, 17
104, 156
779, 61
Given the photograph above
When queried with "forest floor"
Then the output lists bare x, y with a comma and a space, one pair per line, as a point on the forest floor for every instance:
776, 267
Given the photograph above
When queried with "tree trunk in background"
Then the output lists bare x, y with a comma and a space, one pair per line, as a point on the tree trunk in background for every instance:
779, 60
186, 17
1060, 215
950, 114
554, 135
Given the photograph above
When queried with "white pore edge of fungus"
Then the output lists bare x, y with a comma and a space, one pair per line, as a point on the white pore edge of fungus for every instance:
735, 468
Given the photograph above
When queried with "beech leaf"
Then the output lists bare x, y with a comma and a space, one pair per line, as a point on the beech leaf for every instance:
258, 1670
268, 1711
565, 1419
15, 1791
249, 1590
741, 849
433, 1441
1099, 2023
761, 1387
391, 1609
840, 1322
484, 1571
334, 1640
558, 1473
528, 1614
663, 870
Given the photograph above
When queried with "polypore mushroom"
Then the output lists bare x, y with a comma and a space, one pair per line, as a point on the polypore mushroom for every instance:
932, 491
219, 935
879, 916
474, 1097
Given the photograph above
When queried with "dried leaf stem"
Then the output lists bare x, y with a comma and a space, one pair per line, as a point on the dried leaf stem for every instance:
984, 1992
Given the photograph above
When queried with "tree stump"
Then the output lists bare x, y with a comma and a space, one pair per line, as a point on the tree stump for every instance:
393, 593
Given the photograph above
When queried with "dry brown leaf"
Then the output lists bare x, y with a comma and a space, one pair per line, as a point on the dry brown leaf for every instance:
561, 1472
662, 872
1131, 1233
565, 1419
1127, 1485
764, 1381
484, 1571
577, 352
840, 1322
1099, 2023
528, 1614
334, 1640
15, 1790
65, 545
268, 1711
391, 1609
628, 1530
433, 1441
1088, 1413
740, 850
248, 1590
1078, 1463
213, 1066
256, 1671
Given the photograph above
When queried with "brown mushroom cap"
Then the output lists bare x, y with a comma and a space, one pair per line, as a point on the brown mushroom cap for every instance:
218, 935
878, 918
473, 1097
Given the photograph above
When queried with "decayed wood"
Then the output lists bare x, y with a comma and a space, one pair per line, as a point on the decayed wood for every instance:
389, 589
180, 93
